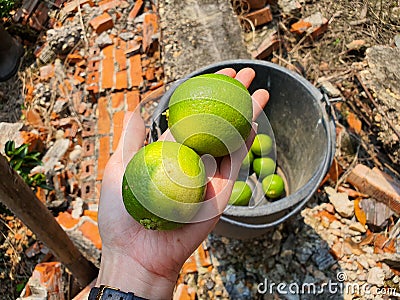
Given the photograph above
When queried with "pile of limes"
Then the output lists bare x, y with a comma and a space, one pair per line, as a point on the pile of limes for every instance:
164, 181
259, 161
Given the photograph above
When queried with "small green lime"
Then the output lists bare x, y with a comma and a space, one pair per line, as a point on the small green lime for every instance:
273, 186
241, 194
248, 160
263, 166
262, 145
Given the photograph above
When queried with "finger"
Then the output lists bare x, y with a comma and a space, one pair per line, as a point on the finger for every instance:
260, 99
227, 71
246, 76
166, 136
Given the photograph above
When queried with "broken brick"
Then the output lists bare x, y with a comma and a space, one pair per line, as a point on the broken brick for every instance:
300, 27
46, 72
150, 74
120, 59
377, 185
39, 17
268, 45
74, 58
257, 4
102, 23
117, 100
135, 10
88, 190
66, 220
104, 154
132, 99
88, 128
121, 80
118, 123
91, 232
88, 147
87, 168
33, 118
150, 27
104, 124
260, 17
107, 73
72, 6
135, 70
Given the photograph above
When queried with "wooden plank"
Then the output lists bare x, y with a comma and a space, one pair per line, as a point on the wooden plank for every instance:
21, 200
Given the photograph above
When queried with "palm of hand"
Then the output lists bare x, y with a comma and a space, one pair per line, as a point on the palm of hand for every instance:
162, 252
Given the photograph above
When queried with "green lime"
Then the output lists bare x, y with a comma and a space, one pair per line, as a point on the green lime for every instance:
262, 145
162, 183
241, 194
263, 166
273, 186
248, 160
211, 113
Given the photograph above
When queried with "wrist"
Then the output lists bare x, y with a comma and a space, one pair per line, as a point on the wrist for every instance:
125, 273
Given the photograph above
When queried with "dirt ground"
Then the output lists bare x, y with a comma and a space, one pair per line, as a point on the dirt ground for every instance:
332, 56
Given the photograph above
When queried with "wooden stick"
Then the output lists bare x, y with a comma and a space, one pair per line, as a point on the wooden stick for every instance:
21, 200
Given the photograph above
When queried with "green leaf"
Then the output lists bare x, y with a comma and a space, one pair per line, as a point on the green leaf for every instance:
9, 148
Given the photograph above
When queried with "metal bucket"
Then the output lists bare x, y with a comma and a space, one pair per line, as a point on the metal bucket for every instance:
305, 143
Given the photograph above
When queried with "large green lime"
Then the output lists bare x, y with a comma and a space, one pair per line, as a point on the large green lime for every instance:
241, 194
263, 166
211, 113
162, 184
262, 145
273, 186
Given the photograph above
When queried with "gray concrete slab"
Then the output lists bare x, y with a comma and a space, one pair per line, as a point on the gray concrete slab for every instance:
196, 33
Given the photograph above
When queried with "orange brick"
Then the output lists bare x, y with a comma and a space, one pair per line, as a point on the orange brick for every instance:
88, 190
133, 99
204, 256
120, 59
261, 16
118, 122
117, 100
91, 214
66, 220
87, 168
108, 52
107, 80
149, 74
135, 10
102, 23
121, 80
150, 27
104, 154
91, 231
104, 123
135, 70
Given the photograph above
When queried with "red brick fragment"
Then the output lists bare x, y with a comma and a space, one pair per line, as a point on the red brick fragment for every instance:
117, 100
104, 155
46, 72
265, 49
88, 128
135, 70
88, 147
260, 17
135, 10
88, 190
103, 123
300, 27
87, 168
150, 27
107, 73
102, 23
66, 220
133, 99
121, 80
257, 4
118, 122
72, 6
377, 185
91, 231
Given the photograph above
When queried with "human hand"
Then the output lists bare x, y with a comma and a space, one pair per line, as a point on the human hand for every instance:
148, 262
